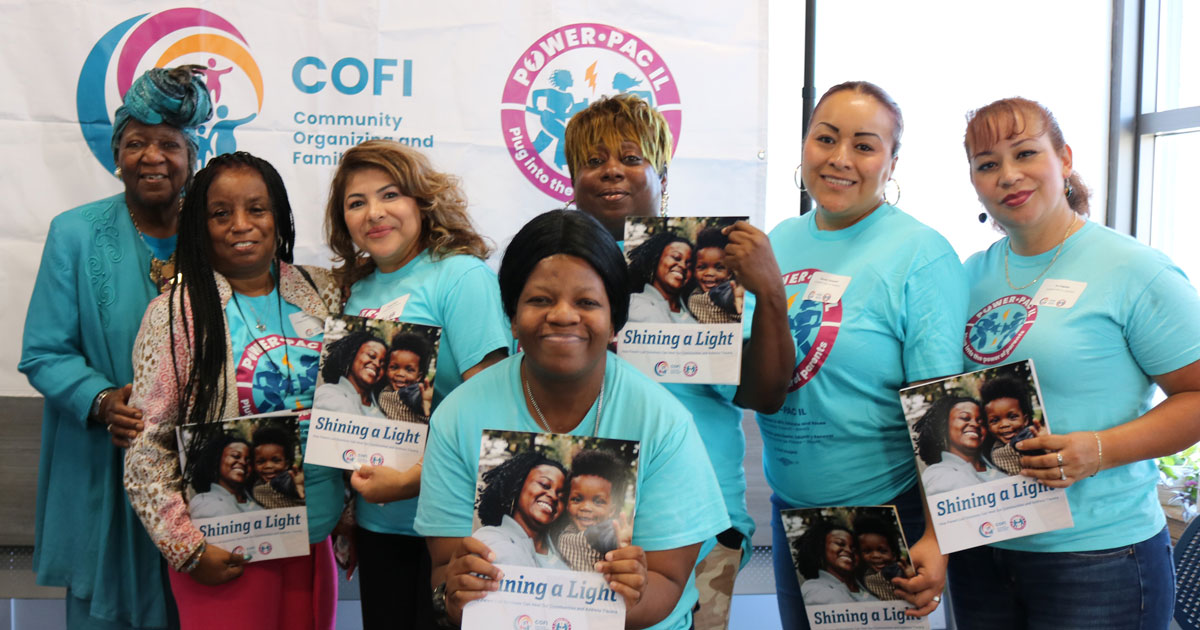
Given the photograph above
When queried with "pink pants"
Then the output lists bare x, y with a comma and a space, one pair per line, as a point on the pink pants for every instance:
299, 593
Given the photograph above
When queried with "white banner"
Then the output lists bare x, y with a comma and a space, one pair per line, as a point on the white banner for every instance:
483, 88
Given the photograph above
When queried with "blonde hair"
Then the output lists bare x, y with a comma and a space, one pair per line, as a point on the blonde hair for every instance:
446, 228
616, 119
1009, 118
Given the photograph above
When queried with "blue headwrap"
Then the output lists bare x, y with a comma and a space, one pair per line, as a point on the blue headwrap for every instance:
175, 97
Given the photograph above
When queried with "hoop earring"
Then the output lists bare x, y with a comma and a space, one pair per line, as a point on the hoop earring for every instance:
891, 180
662, 206
797, 180
567, 206
1067, 185
117, 172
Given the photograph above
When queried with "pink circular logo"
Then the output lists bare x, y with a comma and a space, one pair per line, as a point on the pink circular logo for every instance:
558, 76
994, 333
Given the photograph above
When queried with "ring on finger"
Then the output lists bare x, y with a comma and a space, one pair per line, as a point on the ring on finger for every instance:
937, 599
1060, 461
1062, 474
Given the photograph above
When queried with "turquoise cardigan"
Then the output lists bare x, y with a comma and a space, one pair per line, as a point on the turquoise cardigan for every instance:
91, 292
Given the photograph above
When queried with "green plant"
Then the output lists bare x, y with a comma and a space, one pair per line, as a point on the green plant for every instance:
1181, 474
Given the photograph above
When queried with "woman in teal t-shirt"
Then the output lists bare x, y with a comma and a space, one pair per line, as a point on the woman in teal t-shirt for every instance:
408, 251
1104, 319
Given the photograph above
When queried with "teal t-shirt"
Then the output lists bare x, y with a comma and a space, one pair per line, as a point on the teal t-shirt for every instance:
678, 500
1137, 316
461, 295
277, 370
897, 322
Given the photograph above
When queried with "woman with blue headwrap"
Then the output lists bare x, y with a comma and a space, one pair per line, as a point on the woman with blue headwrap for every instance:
102, 264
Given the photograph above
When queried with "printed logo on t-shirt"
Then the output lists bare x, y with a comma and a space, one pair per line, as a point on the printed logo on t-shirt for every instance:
994, 333
263, 370
814, 327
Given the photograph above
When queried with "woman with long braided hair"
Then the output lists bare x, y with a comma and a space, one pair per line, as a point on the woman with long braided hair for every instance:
237, 336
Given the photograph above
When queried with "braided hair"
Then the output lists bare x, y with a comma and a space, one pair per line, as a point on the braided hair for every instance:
340, 355
202, 389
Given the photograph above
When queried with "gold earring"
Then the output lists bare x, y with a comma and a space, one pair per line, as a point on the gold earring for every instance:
891, 180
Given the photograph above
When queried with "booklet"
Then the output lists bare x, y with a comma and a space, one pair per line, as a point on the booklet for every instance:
845, 560
374, 393
550, 506
685, 315
964, 430
243, 480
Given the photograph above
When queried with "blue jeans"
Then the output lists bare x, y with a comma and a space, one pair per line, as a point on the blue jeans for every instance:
1126, 588
787, 584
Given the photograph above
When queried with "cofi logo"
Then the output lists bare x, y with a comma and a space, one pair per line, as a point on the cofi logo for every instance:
353, 70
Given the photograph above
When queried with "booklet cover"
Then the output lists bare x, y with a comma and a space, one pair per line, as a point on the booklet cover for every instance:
244, 484
685, 312
550, 506
964, 429
374, 393
845, 559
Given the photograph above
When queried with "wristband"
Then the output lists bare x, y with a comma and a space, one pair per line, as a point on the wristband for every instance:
195, 561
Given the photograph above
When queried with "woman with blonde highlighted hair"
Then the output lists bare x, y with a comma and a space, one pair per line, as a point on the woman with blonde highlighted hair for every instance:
1106, 319
405, 244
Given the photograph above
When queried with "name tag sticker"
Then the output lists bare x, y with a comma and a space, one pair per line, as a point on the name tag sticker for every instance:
1055, 293
826, 287
306, 325
394, 309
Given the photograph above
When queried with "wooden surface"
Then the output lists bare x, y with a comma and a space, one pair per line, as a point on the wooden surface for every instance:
20, 440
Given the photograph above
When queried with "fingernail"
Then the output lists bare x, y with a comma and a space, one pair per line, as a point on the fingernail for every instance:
491, 556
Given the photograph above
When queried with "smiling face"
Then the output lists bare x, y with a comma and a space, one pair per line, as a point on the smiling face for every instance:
964, 432
590, 500
154, 165
269, 460
403, 368
848, 157
840, 557
710, 268
540, 501
875, 550
382, 221
1005, 418
614, 184
235, 466
367, 367
674, 269
241, 224
563, 319
1019, 180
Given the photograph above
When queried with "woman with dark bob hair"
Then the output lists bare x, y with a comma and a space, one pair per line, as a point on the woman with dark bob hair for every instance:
353, 375
198, 358
564, 284
660, 269
950, 438
1124, 320
513, 508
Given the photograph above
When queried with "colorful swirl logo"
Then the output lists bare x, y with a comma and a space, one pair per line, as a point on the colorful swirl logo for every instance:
164, 39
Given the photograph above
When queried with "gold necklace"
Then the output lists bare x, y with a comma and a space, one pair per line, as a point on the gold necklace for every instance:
162, 272
1057, 251
541, 419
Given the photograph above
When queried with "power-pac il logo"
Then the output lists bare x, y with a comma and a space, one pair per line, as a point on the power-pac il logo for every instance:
814, 325
559, 76
170, 38
997, 329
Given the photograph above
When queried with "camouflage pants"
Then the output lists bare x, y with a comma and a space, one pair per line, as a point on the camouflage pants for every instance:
715, 575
